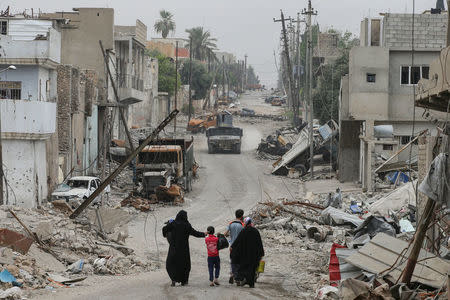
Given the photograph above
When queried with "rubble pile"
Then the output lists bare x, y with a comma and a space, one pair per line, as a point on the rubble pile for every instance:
349, 243
277, 144
63, 251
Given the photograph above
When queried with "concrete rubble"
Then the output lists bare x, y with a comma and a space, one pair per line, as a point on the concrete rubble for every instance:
65, 251
307, 231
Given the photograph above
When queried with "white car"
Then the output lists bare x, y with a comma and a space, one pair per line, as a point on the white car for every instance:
77, 189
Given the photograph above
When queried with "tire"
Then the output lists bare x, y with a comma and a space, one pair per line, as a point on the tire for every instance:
326, 156
301, 169
237, 149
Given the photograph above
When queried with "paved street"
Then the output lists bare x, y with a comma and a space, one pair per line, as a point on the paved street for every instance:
226, 182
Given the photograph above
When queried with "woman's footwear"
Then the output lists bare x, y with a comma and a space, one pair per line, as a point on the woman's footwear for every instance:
211, 284
216, 282
184, 283
173, 283
231, 280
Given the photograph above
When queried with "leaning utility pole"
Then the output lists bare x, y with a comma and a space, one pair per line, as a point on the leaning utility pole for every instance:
190, 79
309, 13
176, 88
289, 66
131, 156
116, 94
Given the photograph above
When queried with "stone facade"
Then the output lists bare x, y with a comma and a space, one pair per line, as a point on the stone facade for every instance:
430, 31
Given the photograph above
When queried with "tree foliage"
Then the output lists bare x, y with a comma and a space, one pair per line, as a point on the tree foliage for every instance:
165, 25
252, 78
166, 72
328, 80
203, 45
201, 79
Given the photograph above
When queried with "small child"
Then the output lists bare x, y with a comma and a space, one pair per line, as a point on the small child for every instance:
213, 256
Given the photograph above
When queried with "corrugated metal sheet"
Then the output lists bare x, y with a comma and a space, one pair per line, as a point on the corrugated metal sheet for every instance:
383, 250
26, 29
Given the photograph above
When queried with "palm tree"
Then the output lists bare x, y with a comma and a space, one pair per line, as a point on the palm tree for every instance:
165, 24
203, 45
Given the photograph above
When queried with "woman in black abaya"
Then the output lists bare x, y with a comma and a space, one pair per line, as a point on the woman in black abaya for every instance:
178, 263
247, 252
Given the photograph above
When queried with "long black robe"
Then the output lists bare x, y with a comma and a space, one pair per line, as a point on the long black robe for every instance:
178, 263
247, 252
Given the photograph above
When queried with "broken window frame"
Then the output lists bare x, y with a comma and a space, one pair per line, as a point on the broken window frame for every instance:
11, 90
410, 74
388, 147
3, 27
371, 77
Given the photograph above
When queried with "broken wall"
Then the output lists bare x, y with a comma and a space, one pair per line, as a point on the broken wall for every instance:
349, 151
77, 119
25, 172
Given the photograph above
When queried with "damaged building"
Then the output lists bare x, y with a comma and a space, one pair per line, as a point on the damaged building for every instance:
379, 91
31, 53
137, 76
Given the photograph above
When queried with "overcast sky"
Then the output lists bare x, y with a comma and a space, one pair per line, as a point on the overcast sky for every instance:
241, 26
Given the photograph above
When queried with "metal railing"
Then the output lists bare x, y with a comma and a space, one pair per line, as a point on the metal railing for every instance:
130, 81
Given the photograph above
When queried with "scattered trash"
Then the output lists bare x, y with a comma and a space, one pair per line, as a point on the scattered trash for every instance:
11, 293
64, 280
76, 267
327, 292
7, 277
374, 225
333, 216
406, 226
137, 202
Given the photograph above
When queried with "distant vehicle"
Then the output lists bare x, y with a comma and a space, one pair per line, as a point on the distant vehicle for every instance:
77, 189
200, 124
269, 99
276, 101
232, 95
224, 137
247, 112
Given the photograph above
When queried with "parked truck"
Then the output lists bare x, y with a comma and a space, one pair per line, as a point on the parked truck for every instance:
224, 137
165, 162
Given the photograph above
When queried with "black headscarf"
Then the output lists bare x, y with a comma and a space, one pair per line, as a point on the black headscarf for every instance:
181, 216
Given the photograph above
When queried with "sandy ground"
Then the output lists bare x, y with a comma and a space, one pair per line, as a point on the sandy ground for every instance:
226, 182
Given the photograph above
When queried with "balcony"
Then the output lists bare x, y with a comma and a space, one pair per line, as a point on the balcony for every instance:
45, 50
24, 119
131, 89
434, 93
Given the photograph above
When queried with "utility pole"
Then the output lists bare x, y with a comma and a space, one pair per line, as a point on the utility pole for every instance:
289, 66
223, 77
448, 23
228, 79
242, 76
245, 71
176, 88
309, 13
298, 60
190, 79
